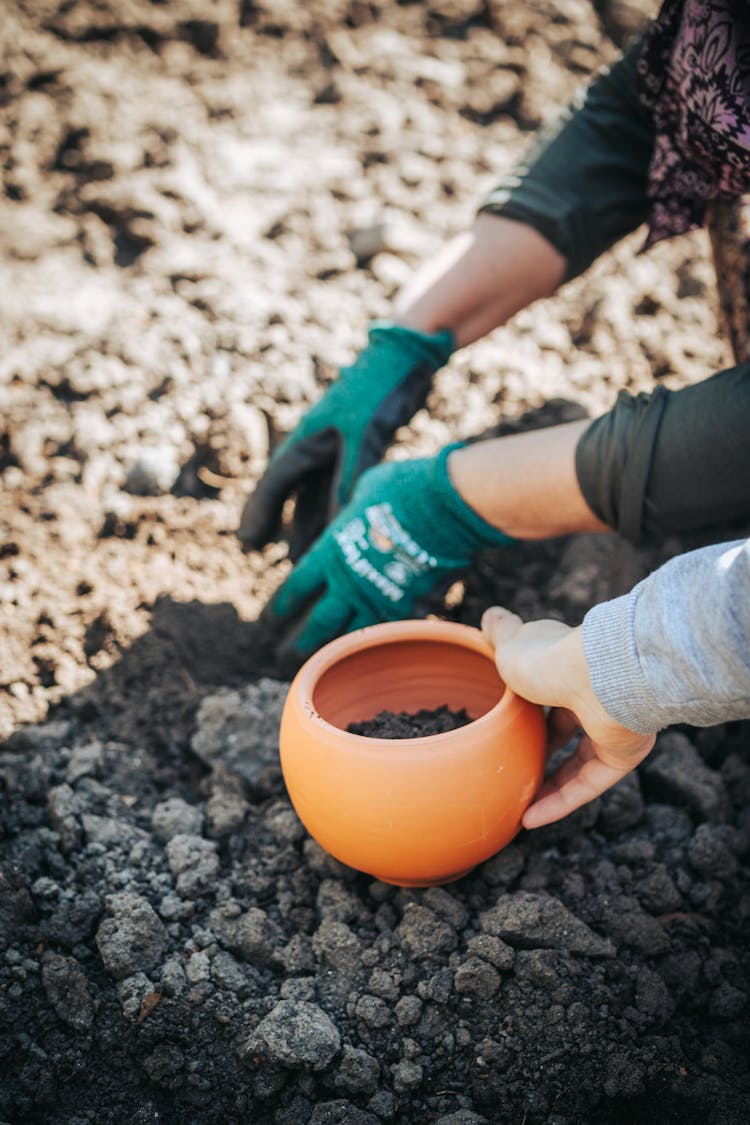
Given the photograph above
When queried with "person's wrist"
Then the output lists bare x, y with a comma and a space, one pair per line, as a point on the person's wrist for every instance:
458, 498
399, 340
461, 471
578, 693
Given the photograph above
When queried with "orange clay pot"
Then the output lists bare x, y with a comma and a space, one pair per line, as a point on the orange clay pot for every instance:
417, 811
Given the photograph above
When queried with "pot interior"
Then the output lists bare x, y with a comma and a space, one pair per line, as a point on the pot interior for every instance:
407, 676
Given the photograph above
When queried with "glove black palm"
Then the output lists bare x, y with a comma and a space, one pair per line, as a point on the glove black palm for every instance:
344, 434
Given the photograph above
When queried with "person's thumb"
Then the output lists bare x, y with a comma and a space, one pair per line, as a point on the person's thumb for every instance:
499, 625
504, 632
523, 653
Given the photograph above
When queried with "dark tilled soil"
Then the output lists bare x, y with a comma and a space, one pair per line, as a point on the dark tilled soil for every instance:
180, 183
419, 724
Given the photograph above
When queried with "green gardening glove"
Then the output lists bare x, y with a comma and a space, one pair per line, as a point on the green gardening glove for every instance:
346, 432
405, 536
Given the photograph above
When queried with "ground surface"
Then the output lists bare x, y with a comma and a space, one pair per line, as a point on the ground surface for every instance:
180, 182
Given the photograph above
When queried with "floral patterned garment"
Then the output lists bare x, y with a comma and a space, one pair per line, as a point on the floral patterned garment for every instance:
694, 72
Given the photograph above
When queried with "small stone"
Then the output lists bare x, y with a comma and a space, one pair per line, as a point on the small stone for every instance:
366, 242
439, 987
111, 833
635, 929
173, 978
132, 937
336, 901
223, 921
17, 910
446, 905
165, 1065
131, 991
476, 978
668, 823
195, 862
297, 955
384, 1104
358, 1072
528, 921
709, 854
285, 826
538, 967
461, 1117
295, 1034
675, 771
153, 474
63, 807
407, 1076
254, 936
67, 991
337, 946
423, 934
340, 1112
173, 908
382, 983
652, 996
74, 919
198, 967
408, 1010
727, 1002
227, 807
504, 867
657, 892
226, 972
635, 851
492, 949
323, 863
299, 988
175, 817
84, 761
373, 1011
622, 806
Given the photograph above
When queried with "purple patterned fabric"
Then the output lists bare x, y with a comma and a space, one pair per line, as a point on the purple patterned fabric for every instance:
694, 71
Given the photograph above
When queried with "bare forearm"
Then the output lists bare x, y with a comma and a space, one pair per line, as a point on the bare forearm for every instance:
526, 484
481, 279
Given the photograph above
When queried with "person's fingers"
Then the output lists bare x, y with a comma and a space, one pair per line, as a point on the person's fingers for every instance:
544, 662
261, 514
329, 618
500, 625
523, 653
579, 780
582, 777
287, 471
306, 582
562, 725
311, 511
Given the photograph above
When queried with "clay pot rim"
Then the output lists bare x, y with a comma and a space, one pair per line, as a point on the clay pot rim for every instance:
417, 629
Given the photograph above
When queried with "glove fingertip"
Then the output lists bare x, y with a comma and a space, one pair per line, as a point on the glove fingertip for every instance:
258, 525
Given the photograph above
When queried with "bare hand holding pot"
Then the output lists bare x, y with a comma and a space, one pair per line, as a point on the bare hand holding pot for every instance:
544, 662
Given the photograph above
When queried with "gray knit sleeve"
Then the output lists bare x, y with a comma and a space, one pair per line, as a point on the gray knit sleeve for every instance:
677, 647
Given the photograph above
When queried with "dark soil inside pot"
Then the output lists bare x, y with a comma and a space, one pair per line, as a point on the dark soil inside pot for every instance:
402, 724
